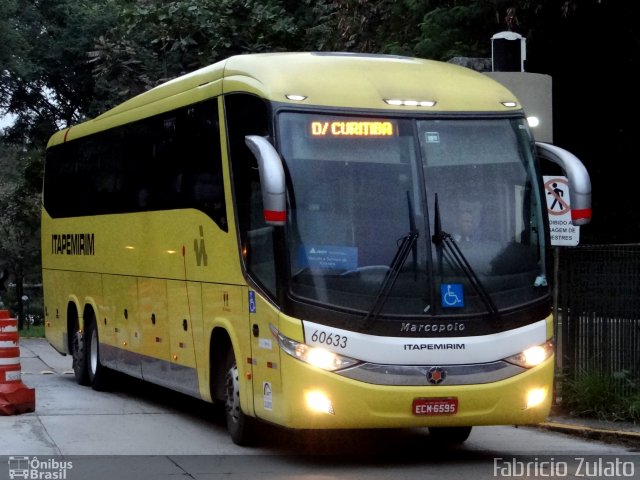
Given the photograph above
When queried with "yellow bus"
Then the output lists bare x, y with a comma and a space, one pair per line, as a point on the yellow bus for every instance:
313, 240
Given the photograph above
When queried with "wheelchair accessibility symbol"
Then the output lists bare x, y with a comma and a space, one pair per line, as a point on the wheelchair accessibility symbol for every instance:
452, 295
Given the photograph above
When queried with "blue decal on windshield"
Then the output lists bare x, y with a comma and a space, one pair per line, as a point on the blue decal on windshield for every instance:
329, 257
452, 295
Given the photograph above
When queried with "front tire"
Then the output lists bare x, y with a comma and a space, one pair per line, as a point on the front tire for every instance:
239, 425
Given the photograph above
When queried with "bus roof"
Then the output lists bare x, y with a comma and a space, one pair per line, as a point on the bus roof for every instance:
325, 79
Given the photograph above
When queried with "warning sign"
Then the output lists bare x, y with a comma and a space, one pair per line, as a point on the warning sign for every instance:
563, 232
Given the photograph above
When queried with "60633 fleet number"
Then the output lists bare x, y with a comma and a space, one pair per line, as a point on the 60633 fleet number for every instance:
340, 341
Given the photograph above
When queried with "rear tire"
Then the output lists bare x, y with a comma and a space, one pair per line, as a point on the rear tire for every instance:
450, 435
239, 425
97, 373
78, 353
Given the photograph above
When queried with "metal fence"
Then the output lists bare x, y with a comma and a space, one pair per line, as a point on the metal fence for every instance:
598, 306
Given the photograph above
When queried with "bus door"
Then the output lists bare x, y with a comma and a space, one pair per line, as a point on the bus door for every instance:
247, 116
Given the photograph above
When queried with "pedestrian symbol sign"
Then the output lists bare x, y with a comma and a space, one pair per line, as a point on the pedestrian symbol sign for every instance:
563, 232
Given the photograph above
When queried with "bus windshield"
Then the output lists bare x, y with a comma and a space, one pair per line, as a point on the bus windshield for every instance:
368, 195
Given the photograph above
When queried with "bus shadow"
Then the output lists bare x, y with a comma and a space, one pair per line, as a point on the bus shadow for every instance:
370, 445
312, 446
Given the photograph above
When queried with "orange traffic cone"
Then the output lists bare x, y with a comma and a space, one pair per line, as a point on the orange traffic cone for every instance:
15, 397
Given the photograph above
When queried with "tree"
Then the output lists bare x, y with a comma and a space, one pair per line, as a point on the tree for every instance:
46, 80
460, 30
8, 37
19, 223
47, 83
156, 41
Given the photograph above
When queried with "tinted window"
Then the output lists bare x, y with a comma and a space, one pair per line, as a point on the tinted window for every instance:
248, 115
168, 161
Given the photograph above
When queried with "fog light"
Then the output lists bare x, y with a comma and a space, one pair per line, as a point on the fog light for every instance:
536, 396
317, 401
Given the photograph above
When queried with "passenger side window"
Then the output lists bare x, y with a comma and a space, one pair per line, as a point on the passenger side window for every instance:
247, 115
169, 161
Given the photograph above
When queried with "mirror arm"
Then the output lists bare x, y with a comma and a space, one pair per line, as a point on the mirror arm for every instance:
272, 180
579, 181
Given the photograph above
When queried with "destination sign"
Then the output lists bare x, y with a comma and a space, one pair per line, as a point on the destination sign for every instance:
352, 128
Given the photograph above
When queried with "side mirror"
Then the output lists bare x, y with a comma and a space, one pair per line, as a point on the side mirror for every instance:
272, 180
579, 181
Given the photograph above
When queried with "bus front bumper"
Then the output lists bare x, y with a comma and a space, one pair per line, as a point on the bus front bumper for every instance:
317, 399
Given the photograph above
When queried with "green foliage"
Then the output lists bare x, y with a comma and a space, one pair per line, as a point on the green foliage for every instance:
32, 331
47, 82
8, 35
66, 60
633, 407
596, 394
19, 223
316, 25
362, 25
461, 30
156, 41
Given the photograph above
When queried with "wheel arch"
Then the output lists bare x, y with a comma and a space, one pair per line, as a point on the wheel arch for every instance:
73, 319
89, 311
218, 346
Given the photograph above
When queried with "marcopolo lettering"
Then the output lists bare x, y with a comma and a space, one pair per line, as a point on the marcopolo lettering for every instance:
432, 327
73, 244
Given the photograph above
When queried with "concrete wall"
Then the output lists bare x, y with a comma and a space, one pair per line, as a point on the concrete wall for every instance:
534, 91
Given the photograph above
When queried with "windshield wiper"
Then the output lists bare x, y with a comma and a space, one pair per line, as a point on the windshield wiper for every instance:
412, 228
444, 241
406, 246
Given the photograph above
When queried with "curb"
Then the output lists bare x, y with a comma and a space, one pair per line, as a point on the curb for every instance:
591, 432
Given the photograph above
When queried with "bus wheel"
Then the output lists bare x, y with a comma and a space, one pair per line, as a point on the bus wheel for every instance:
96, 372
78, 353
450, 435
239, 425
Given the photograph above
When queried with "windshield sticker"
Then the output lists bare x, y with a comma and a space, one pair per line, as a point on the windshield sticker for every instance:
452, 295
330, 257
432, 137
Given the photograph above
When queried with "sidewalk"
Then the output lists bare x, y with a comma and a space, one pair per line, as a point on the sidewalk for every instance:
37, 357
627, 433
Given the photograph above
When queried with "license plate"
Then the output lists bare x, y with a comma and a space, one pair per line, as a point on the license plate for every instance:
435, 406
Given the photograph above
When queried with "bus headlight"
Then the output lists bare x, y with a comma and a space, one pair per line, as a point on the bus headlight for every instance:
316, 356
532, 356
